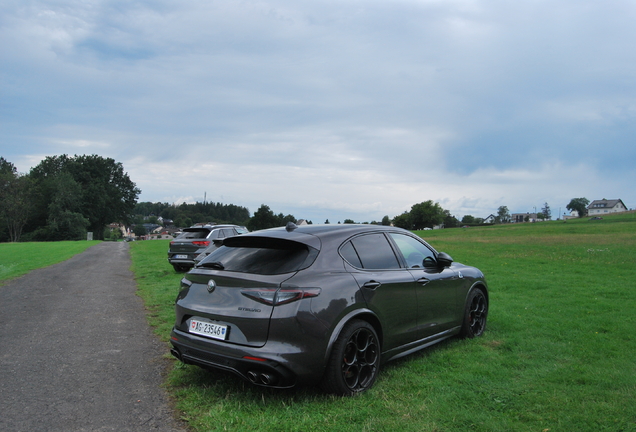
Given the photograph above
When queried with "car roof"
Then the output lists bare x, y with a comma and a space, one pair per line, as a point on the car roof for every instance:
210, 227
314, 235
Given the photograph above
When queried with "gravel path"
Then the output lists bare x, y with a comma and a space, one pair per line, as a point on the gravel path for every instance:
76, 352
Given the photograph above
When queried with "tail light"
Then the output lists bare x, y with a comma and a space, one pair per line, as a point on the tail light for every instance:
276, 296
201, 243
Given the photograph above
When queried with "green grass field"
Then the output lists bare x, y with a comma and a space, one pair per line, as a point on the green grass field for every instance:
17, 259
559, 352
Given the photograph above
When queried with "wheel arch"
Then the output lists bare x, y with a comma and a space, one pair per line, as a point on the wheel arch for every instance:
363, 314
478, 284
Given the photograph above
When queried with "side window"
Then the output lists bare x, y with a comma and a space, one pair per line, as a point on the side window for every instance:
227, 232
416, 254
375, 252
215, 234
349, 254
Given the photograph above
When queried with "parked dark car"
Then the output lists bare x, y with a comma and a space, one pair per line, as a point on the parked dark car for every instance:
324, 304
194, 240
214, 245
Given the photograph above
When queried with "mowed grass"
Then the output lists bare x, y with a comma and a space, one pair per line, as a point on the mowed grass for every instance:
559, 352
17, 259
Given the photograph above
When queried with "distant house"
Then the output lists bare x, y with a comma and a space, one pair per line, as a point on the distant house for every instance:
524, 217
490, 219
605, 206
573, 215
152, 228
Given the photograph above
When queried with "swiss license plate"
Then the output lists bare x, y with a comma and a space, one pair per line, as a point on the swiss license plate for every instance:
203, 328
181, 256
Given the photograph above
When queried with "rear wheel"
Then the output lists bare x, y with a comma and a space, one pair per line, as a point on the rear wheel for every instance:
475, 314
179, 268
355, 360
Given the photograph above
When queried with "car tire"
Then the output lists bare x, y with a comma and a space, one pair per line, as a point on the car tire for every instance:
475, 314
354, 363
180, 268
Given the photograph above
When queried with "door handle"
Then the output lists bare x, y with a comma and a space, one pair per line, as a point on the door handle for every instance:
372, 285
423, 281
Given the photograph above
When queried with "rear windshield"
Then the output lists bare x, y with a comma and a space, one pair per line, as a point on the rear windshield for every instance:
195, 234
261, 256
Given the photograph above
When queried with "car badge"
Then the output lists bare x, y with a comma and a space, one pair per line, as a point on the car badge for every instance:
211, 285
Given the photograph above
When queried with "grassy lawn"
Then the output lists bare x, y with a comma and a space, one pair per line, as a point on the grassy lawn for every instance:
17, 259
559, 352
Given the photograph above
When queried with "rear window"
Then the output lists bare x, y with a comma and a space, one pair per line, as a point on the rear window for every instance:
195, 234
261, 256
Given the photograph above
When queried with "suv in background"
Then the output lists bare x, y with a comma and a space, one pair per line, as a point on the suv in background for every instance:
194, 240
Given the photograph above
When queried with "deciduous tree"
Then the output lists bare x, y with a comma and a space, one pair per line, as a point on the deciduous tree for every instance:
579, 205
503, 215
107, 192
426, 214
403, 221
15, 196
263, 218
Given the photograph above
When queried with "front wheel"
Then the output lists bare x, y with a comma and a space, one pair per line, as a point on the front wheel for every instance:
355, 360
475, 314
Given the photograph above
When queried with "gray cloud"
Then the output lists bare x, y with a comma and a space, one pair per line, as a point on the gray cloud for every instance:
350, 109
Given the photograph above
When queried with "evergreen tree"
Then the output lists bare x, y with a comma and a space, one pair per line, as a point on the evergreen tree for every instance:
547, 214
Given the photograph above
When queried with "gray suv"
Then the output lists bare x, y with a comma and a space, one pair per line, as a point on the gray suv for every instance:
194, 240
323, 304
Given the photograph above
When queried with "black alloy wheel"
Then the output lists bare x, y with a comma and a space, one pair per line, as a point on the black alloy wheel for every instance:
355, 360
475, 314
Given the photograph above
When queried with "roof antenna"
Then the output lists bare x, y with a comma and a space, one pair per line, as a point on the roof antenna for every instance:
291, 226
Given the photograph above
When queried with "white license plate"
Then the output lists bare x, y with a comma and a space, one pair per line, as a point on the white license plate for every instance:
208, 329
181, 257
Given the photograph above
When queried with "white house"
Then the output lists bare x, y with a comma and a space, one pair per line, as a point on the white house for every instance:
605, 206
524, 217
490, 219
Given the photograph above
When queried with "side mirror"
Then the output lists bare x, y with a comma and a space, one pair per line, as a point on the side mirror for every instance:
444, 259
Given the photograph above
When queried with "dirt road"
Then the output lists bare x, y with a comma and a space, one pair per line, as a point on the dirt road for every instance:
76, 352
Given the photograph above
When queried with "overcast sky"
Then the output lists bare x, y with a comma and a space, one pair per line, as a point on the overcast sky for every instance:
330, 109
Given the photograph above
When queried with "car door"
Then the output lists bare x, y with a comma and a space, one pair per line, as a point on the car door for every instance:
436, 287
388, 288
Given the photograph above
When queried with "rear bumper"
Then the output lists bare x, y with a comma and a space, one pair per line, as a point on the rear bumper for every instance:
189, 261
183, 263
242, 361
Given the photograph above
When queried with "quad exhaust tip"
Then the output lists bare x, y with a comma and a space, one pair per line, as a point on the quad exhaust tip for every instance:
256, 377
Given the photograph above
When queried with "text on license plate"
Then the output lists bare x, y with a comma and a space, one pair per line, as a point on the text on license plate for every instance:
181, 256
208, 329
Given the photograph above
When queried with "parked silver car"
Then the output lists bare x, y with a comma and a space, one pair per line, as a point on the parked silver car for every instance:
194, 240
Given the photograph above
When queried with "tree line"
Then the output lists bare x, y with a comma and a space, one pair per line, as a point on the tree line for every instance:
427, 214
185, 215
423, 215
64, 197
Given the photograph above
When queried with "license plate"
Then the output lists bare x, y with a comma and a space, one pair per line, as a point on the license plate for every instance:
203, 328
181, 256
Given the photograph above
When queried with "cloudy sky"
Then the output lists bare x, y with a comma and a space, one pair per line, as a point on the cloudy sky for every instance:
330, 109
